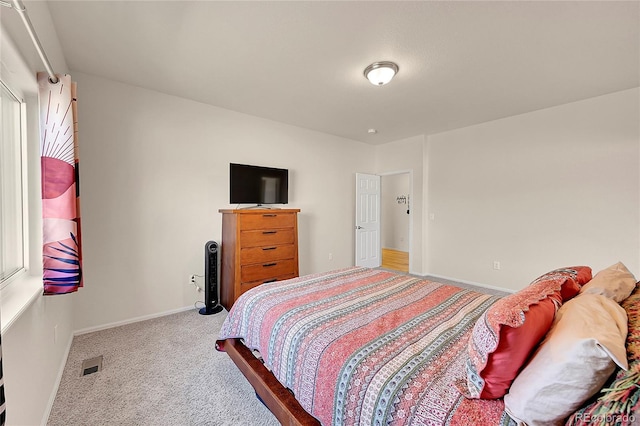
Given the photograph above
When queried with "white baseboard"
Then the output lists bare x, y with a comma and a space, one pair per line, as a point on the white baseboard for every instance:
54, 392
131, 320
491, 287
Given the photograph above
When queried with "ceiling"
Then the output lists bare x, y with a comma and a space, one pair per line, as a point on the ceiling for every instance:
301, 63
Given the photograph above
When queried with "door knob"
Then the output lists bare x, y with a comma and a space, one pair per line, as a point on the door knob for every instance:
359, 227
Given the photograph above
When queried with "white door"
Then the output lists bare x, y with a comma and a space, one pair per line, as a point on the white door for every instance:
367, 220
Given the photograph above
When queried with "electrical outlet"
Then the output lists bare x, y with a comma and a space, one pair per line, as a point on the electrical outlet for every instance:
330, 256
193, 282
496, 265
55, 333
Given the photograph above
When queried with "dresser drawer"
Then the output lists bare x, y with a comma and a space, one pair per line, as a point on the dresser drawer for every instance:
267, 237
267, 270
258, 246
266, 253
246, 286
267, 220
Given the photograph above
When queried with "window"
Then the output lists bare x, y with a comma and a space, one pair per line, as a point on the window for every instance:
12, 185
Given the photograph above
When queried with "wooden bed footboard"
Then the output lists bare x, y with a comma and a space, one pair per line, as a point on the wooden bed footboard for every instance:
276, 397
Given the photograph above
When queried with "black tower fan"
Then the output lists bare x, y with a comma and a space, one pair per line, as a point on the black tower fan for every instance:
210, 279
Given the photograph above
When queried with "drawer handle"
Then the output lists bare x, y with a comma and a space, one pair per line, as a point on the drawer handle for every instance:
266, 265
270, 281
269, 232
269, 248
269, 215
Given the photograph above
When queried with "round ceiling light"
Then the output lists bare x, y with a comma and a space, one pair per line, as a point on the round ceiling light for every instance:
380, 73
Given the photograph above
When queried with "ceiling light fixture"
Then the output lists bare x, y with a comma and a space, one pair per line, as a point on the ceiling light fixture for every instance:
380, 73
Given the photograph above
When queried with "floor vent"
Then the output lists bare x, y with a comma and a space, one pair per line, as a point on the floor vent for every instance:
91, 365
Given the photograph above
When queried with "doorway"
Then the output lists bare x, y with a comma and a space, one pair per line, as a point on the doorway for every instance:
395, 214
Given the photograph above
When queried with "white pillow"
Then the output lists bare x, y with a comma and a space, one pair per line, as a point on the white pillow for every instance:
572, 363
614, 282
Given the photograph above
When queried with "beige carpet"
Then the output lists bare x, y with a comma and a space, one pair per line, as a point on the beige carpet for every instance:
158, 372
163, 371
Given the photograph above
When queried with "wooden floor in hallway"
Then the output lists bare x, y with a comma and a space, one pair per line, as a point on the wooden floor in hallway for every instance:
395, 259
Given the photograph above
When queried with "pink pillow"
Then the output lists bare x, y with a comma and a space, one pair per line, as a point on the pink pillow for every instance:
615, 282
507, 333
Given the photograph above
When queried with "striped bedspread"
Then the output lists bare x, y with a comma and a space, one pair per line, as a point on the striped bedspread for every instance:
363, 346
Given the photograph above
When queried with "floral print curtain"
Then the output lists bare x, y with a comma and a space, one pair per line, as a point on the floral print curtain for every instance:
3, 413
62, 254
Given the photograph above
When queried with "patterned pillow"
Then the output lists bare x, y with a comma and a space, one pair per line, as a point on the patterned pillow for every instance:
619, 402
504, 337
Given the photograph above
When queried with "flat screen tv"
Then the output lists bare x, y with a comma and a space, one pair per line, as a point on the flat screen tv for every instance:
258, 185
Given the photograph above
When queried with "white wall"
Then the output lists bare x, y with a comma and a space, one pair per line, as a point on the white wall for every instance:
32, 358
395, 220
154, 172
542, 190
407, 155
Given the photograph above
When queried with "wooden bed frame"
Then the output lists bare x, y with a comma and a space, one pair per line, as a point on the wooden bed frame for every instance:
276, 397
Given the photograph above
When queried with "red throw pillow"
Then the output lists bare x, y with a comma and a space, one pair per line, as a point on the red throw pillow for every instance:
504, 337
515, 346
583, 275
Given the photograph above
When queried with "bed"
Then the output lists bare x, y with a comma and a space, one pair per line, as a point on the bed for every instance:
362, 346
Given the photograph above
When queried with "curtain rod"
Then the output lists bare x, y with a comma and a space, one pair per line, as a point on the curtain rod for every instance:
22, 11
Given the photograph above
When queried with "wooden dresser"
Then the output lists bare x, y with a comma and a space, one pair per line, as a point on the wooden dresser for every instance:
258, 246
